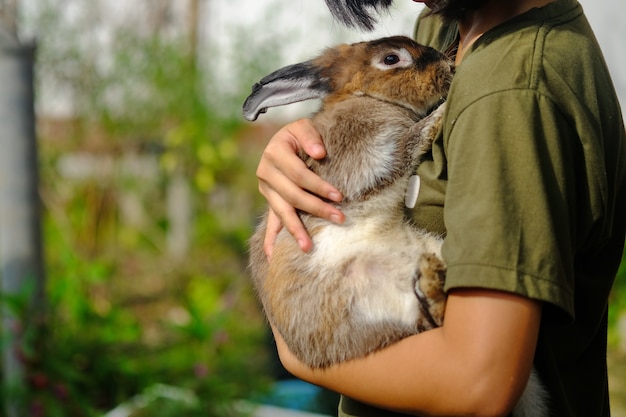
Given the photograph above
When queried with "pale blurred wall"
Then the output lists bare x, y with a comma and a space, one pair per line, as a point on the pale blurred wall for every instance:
608, 19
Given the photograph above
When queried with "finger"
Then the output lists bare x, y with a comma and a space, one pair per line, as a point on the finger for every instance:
281, 168
274, 226
279, 191
308, 138
282, 153
282, 214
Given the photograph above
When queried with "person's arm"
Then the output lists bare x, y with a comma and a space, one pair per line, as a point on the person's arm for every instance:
476, 364
287, 184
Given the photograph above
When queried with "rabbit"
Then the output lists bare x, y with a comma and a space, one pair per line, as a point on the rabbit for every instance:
376, 278
355, 291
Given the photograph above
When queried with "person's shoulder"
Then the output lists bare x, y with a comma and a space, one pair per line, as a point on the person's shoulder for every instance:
550, 51
430, 30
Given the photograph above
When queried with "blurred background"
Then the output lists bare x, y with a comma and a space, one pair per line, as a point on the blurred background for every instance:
146, 195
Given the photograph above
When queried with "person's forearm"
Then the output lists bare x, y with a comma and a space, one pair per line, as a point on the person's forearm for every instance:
397, 379
442, 372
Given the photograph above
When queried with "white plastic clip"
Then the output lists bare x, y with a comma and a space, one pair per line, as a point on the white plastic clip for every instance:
412, 191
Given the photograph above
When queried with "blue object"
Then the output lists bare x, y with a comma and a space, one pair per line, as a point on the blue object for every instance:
293, 394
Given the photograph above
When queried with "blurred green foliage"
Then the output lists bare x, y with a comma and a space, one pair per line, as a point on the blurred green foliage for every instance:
131, 323
617, 308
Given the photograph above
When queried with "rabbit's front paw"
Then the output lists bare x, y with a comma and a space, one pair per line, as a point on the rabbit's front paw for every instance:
429, 288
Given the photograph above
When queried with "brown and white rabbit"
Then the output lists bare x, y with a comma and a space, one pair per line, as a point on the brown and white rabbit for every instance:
376, 278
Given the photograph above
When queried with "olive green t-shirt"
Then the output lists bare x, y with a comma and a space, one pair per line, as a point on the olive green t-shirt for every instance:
527, 182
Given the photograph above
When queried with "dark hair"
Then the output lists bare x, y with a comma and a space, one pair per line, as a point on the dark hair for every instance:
360, 13
357, 13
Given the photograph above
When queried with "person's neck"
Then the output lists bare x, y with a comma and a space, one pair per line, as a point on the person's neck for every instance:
492, 13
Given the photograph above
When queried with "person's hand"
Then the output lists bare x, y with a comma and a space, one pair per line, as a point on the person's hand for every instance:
288, 185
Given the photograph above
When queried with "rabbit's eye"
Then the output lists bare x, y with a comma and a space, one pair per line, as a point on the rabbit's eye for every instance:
391, 59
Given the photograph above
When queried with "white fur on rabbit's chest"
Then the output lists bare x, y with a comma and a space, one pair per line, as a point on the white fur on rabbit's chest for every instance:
336, 243
379, 262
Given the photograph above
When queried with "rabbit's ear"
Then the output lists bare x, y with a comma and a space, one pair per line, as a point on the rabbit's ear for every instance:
287, 85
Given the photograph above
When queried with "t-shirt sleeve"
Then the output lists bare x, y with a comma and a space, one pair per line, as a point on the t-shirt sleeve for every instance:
509, 194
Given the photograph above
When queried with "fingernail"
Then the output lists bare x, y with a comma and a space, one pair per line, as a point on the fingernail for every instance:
317, 150
334, 196
303, 244
335, 218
